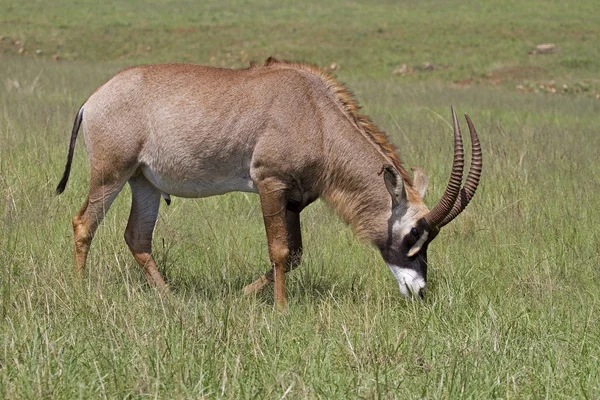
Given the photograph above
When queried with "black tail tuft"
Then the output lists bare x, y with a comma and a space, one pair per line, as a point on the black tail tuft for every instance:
63, 182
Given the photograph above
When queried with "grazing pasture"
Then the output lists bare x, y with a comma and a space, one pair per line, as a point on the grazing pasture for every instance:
513, 301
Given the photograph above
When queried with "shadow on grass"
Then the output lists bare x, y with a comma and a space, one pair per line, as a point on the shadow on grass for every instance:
303, 286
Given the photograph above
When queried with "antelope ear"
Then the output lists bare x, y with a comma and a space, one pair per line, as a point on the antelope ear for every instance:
419, 181
394, 184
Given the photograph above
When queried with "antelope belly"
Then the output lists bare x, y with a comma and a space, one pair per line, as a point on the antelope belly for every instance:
198, 184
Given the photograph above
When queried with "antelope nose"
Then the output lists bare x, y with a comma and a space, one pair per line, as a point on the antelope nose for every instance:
411, 283
417, 287
416, 290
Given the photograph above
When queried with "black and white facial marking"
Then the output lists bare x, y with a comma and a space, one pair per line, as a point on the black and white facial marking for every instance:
406, 254
405, 251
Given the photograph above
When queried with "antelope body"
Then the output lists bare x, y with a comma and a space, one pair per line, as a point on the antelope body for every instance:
286, 131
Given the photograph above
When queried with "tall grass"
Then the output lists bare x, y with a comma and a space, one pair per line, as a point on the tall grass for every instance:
512, 306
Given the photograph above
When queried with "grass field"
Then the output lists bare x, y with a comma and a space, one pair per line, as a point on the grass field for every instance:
513, 302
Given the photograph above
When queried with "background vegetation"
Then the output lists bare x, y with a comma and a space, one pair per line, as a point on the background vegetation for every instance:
512, 309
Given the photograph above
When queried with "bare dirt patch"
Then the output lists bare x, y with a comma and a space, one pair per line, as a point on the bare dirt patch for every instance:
516, 73
504, 75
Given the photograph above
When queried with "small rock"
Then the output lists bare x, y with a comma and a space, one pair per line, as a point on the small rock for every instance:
38, 52
546, 48
402, 70
333, 66
427, 66
21, 50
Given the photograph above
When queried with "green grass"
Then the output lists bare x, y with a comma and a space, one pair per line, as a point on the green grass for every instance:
514, 297
466, 41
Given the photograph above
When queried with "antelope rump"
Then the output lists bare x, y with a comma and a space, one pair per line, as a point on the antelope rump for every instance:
287, 131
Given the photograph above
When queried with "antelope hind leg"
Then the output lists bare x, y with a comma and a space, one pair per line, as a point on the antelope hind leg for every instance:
86, 221
145, 201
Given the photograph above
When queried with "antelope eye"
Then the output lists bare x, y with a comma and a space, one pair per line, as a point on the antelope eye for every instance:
414, 232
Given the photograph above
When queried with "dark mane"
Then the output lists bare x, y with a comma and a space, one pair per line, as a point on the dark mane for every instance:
350, 105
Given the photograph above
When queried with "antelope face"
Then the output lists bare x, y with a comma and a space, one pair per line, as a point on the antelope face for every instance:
405, 251
407, 255
412, 226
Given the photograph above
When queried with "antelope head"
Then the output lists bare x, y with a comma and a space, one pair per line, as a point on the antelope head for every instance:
413, 226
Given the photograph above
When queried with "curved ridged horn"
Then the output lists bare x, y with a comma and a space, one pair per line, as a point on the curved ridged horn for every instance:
467, 192
442, 208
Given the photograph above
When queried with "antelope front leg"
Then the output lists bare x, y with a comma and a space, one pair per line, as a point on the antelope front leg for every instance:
273, 202
295, 246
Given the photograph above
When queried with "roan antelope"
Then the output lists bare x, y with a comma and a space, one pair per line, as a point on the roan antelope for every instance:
287, 131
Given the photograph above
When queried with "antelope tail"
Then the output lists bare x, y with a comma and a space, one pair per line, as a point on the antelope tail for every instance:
63, 182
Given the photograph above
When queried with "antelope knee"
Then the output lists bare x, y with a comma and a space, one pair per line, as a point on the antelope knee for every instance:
81, 231
279, 253
136, 243
129, 237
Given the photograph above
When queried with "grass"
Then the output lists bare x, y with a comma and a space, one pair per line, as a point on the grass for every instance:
512, 309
